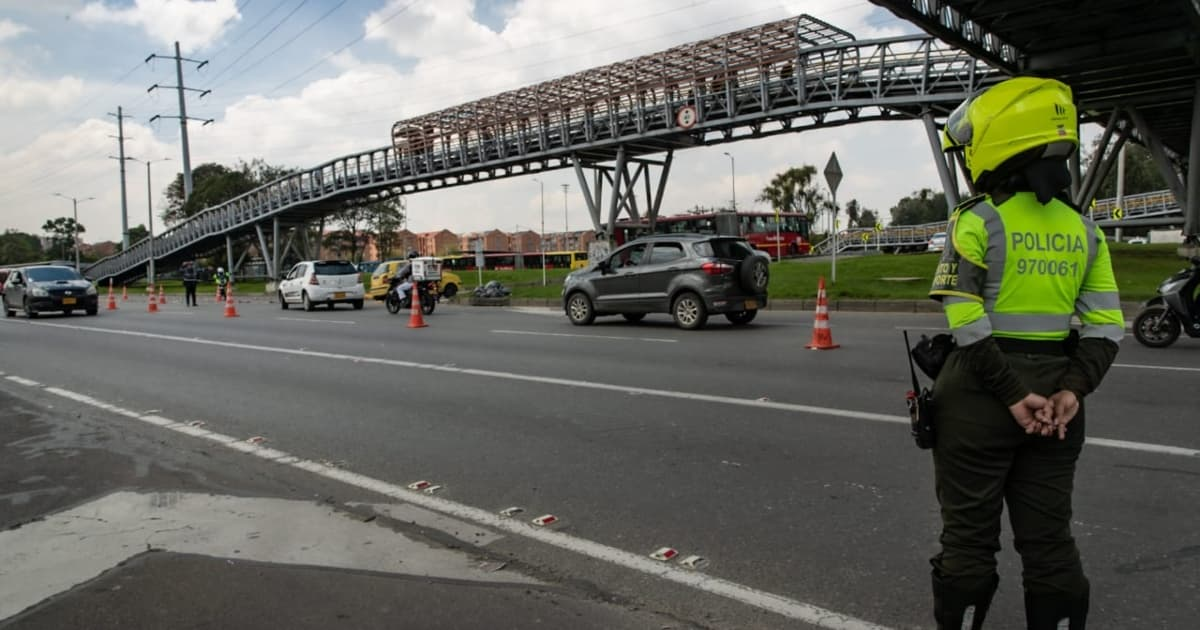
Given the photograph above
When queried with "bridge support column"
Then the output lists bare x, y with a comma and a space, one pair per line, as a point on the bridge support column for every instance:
229, 253
949, 183
1165, 168
1102, 160
1190, 203
268, 259
623, 178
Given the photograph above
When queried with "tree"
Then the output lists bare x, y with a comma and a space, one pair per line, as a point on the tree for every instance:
214, 184
1141, 173
352, 221
867, 219
795, 191
19, 247
62, 232
384, 219
923, 206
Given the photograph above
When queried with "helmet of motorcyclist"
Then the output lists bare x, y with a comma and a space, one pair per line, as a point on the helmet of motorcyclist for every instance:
412, 253
1012, 124
220, 270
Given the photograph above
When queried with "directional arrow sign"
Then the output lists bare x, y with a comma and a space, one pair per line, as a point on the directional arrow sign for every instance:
833, 173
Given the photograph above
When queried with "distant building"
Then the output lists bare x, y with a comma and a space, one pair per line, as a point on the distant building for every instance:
440, 243
526, 241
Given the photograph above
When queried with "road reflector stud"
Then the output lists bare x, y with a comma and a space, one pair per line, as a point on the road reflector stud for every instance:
694, 562
665, 554
419, 485
511, 512
196, 423
258, 439
431, 489
547, 519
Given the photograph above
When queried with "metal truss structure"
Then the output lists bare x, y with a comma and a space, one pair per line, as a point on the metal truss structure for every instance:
608, 122
1132, 64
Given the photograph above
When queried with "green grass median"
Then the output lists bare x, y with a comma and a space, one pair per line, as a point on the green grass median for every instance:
1139, 269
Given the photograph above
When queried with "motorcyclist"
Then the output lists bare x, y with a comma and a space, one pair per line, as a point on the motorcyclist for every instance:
404, 274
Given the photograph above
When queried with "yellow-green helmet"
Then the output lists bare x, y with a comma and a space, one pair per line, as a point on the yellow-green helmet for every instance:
1011, 118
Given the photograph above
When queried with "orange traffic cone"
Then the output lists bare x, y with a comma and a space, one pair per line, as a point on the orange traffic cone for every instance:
416, 319
822, 338
124, 293
162, 295
217, 295
230, 310
153, 306
112, 298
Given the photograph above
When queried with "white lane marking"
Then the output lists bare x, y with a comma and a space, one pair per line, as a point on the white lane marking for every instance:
546, 334
779, 604
23, 381
537, 310
1156, 367
937, 328
1141, 446
316, 321
625, 389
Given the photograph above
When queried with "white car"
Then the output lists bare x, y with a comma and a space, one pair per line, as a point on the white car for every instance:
937, 242
326, 282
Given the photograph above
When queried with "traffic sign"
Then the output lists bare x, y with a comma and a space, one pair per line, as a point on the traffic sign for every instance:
833, 173
686, 117
1118, 214
878, 227
866, 236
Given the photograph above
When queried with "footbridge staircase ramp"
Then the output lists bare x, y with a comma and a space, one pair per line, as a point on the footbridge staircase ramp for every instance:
617, 125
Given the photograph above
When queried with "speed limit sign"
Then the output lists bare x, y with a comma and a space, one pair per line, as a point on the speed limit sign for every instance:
686, 117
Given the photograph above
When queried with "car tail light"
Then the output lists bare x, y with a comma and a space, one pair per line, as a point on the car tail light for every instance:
313, 279
716, 268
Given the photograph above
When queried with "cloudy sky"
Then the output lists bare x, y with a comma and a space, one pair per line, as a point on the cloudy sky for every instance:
300, 82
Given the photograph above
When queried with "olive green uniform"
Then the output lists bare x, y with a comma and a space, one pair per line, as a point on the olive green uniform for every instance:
1010, 279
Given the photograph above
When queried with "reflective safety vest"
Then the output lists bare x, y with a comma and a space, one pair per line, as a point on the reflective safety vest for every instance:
1021, 269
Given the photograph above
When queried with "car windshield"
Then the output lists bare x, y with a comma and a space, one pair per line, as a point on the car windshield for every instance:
335, 268
731, 248
52, 274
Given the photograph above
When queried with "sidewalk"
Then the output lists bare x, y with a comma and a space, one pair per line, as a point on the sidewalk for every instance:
96, 505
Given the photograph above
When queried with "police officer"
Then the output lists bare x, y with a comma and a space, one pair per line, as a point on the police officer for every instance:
1009, 400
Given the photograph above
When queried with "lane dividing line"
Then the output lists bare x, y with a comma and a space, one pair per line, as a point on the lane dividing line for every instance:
316, 321
609, 337
1156, 367
23, 381
762, 600
623, 389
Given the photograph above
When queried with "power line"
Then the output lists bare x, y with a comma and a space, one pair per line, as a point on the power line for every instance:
249, 29
352, 42
285, 44
260, 40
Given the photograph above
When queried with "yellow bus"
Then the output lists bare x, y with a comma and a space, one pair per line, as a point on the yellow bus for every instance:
556, 260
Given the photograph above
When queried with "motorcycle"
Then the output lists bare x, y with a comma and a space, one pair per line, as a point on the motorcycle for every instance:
396, 302
1176, 309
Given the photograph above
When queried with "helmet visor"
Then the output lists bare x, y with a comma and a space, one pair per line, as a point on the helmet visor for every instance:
958, 126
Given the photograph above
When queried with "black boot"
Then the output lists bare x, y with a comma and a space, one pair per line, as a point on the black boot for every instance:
957, 609
1056, 611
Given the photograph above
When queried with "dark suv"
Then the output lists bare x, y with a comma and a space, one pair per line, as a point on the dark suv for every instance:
48, 288
687, 275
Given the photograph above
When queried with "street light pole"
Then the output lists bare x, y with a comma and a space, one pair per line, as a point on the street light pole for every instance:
149, 220
542, 237
732, 181
75, 216
566, 226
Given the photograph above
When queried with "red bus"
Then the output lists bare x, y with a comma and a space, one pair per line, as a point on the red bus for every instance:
757, 227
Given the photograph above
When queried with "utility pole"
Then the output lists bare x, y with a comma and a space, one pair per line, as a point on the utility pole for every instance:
183, 117
121, 153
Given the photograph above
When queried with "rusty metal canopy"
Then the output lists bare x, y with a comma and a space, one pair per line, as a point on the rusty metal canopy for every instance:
1143, 54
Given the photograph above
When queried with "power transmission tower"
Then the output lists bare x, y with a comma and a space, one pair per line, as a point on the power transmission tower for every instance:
121, 152
183, 117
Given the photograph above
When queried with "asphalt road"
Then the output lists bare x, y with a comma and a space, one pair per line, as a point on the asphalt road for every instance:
789, 471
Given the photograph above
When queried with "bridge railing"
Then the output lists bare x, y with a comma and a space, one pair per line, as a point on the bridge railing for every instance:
823, 76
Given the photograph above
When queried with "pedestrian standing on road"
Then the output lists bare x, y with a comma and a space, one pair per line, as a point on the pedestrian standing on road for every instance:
1008, 403
189, 283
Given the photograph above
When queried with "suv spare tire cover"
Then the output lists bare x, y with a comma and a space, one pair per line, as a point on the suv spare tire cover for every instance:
748, 275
